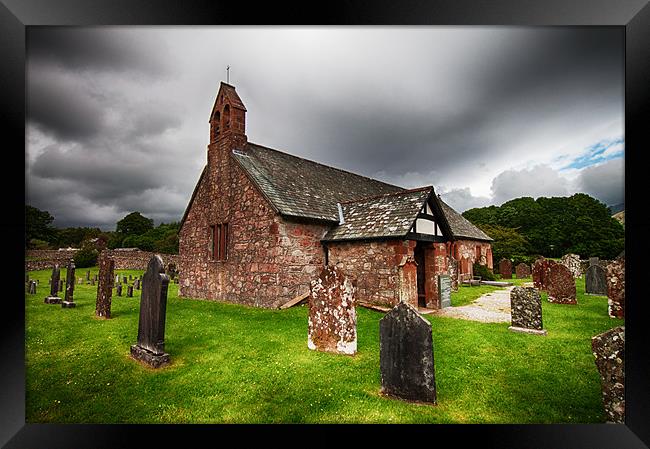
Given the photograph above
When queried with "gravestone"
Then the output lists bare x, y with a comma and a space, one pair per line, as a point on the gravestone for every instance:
124, 280
54, 286
129, 291
61, 285
522, 271
117, 279
561, 285
150, 348
96, 277
616, 288
105, 287
332, 324
444, 291
505, 269
32, 287
406, 355
137, 284
130, 277
92, 281
68, 302
609, 352
526, 310
572, 262
593, 261
596, 280
541, 271
118, 289
88, 275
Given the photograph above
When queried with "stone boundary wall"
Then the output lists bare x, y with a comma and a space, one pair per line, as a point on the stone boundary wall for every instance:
125, 258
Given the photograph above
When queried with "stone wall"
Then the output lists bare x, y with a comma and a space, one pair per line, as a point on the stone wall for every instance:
135, 259
43, 259
471, 251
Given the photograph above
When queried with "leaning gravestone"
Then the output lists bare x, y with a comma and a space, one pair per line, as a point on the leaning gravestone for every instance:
561, 285
406, 355
118, 289
526, 310
609, 350
68, 302
616, 288
505, 269
522, 271
332, 324
596, 280
54, 286
444, 290
105, 287
150, 348
572, 262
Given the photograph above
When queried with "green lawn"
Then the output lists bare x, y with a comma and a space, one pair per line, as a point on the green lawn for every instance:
235, 364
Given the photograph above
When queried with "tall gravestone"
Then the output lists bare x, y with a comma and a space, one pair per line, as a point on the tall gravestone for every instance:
150, 348
596, 280
444, 291
105, 287
572, 262
129, 291
609, 352
526, 310
332, 324
561, 285
406, 355
522, 271
616, 288
541, 271
505, 269
68, 302
118, 289
32, 287
124, 280
54, 286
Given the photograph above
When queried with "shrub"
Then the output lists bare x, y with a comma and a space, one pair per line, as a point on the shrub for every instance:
86, 257
484, 272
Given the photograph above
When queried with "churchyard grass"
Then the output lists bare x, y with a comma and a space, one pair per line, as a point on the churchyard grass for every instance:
466, 294
237, 364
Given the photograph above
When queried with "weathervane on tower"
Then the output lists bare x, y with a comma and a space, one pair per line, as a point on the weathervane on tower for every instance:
228, 74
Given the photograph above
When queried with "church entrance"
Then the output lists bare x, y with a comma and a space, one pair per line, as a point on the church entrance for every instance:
418, 255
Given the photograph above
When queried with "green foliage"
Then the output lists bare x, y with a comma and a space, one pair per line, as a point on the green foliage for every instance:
38, 244
86, 257
75, 237
162, 239
507, 241
134, 224
553, 227
483, 271
38, 225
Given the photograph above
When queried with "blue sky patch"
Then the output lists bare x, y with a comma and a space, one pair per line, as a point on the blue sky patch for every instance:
602, 151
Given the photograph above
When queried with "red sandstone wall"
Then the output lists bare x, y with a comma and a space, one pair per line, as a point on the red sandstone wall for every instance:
466, 250
135, 259
43, 259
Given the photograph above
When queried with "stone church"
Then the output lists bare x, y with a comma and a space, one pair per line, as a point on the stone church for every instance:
261, 224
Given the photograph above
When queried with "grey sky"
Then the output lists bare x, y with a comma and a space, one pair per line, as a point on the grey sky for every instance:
117, 117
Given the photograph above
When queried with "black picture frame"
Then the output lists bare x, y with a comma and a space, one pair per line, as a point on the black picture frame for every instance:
634, 15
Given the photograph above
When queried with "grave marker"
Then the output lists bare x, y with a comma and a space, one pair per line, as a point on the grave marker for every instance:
609, 352
572, 262
444, 291
616, 288
69, 303
105, 288
596, 280
54, 286
526, 310
32, 287
522, 271
150, 348
561, 285
505, 269
129, 291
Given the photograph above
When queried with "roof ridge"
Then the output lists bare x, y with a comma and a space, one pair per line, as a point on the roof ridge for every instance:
324, 165
417, 189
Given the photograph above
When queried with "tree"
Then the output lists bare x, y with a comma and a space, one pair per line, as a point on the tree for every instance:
38, 225
507, 243
134, 224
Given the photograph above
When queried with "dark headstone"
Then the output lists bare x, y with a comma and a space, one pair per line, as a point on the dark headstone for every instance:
522, 271
32, 287
118, 289
526, 310
561, 285
105, 287
150, 348
609, 350
129, 291
130, 277
96, 278
596, 280
124, 281
54, 286
136, 284
332, 324
593, 261
68, 302
88, 275
616, 288
505, 269
541, 271
444, 290
61, 281
406, 355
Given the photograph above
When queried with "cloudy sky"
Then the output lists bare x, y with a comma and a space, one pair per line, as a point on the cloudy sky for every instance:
117, 117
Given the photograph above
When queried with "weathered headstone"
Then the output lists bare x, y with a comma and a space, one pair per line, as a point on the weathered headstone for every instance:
54, 286
572, 262
105, 287
616, 288
406, 355
609, 350
88, 275
332, 324
561, 285
540, 272
32, 287
68, 302
505, 269
150, 348
444, 290
522, 271
596, 280
526, 310
118, 289
129, 291
124, 280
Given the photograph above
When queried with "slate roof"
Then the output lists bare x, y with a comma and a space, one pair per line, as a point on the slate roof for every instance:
299, 187
460, 226
388, 215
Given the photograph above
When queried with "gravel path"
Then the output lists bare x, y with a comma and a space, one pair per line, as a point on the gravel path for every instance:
491, 307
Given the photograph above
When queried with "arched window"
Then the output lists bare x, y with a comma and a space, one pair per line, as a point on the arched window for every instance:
226, 117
